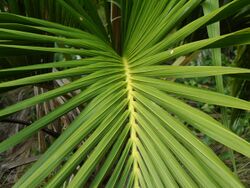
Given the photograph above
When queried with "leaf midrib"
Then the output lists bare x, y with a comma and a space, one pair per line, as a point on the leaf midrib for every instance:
132, 120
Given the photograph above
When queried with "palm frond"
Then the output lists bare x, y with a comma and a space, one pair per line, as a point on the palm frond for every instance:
132, 130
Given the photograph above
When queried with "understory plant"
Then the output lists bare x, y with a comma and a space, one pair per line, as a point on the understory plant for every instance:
135, 128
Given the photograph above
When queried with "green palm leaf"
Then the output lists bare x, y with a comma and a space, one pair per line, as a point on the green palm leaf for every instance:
130, 132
